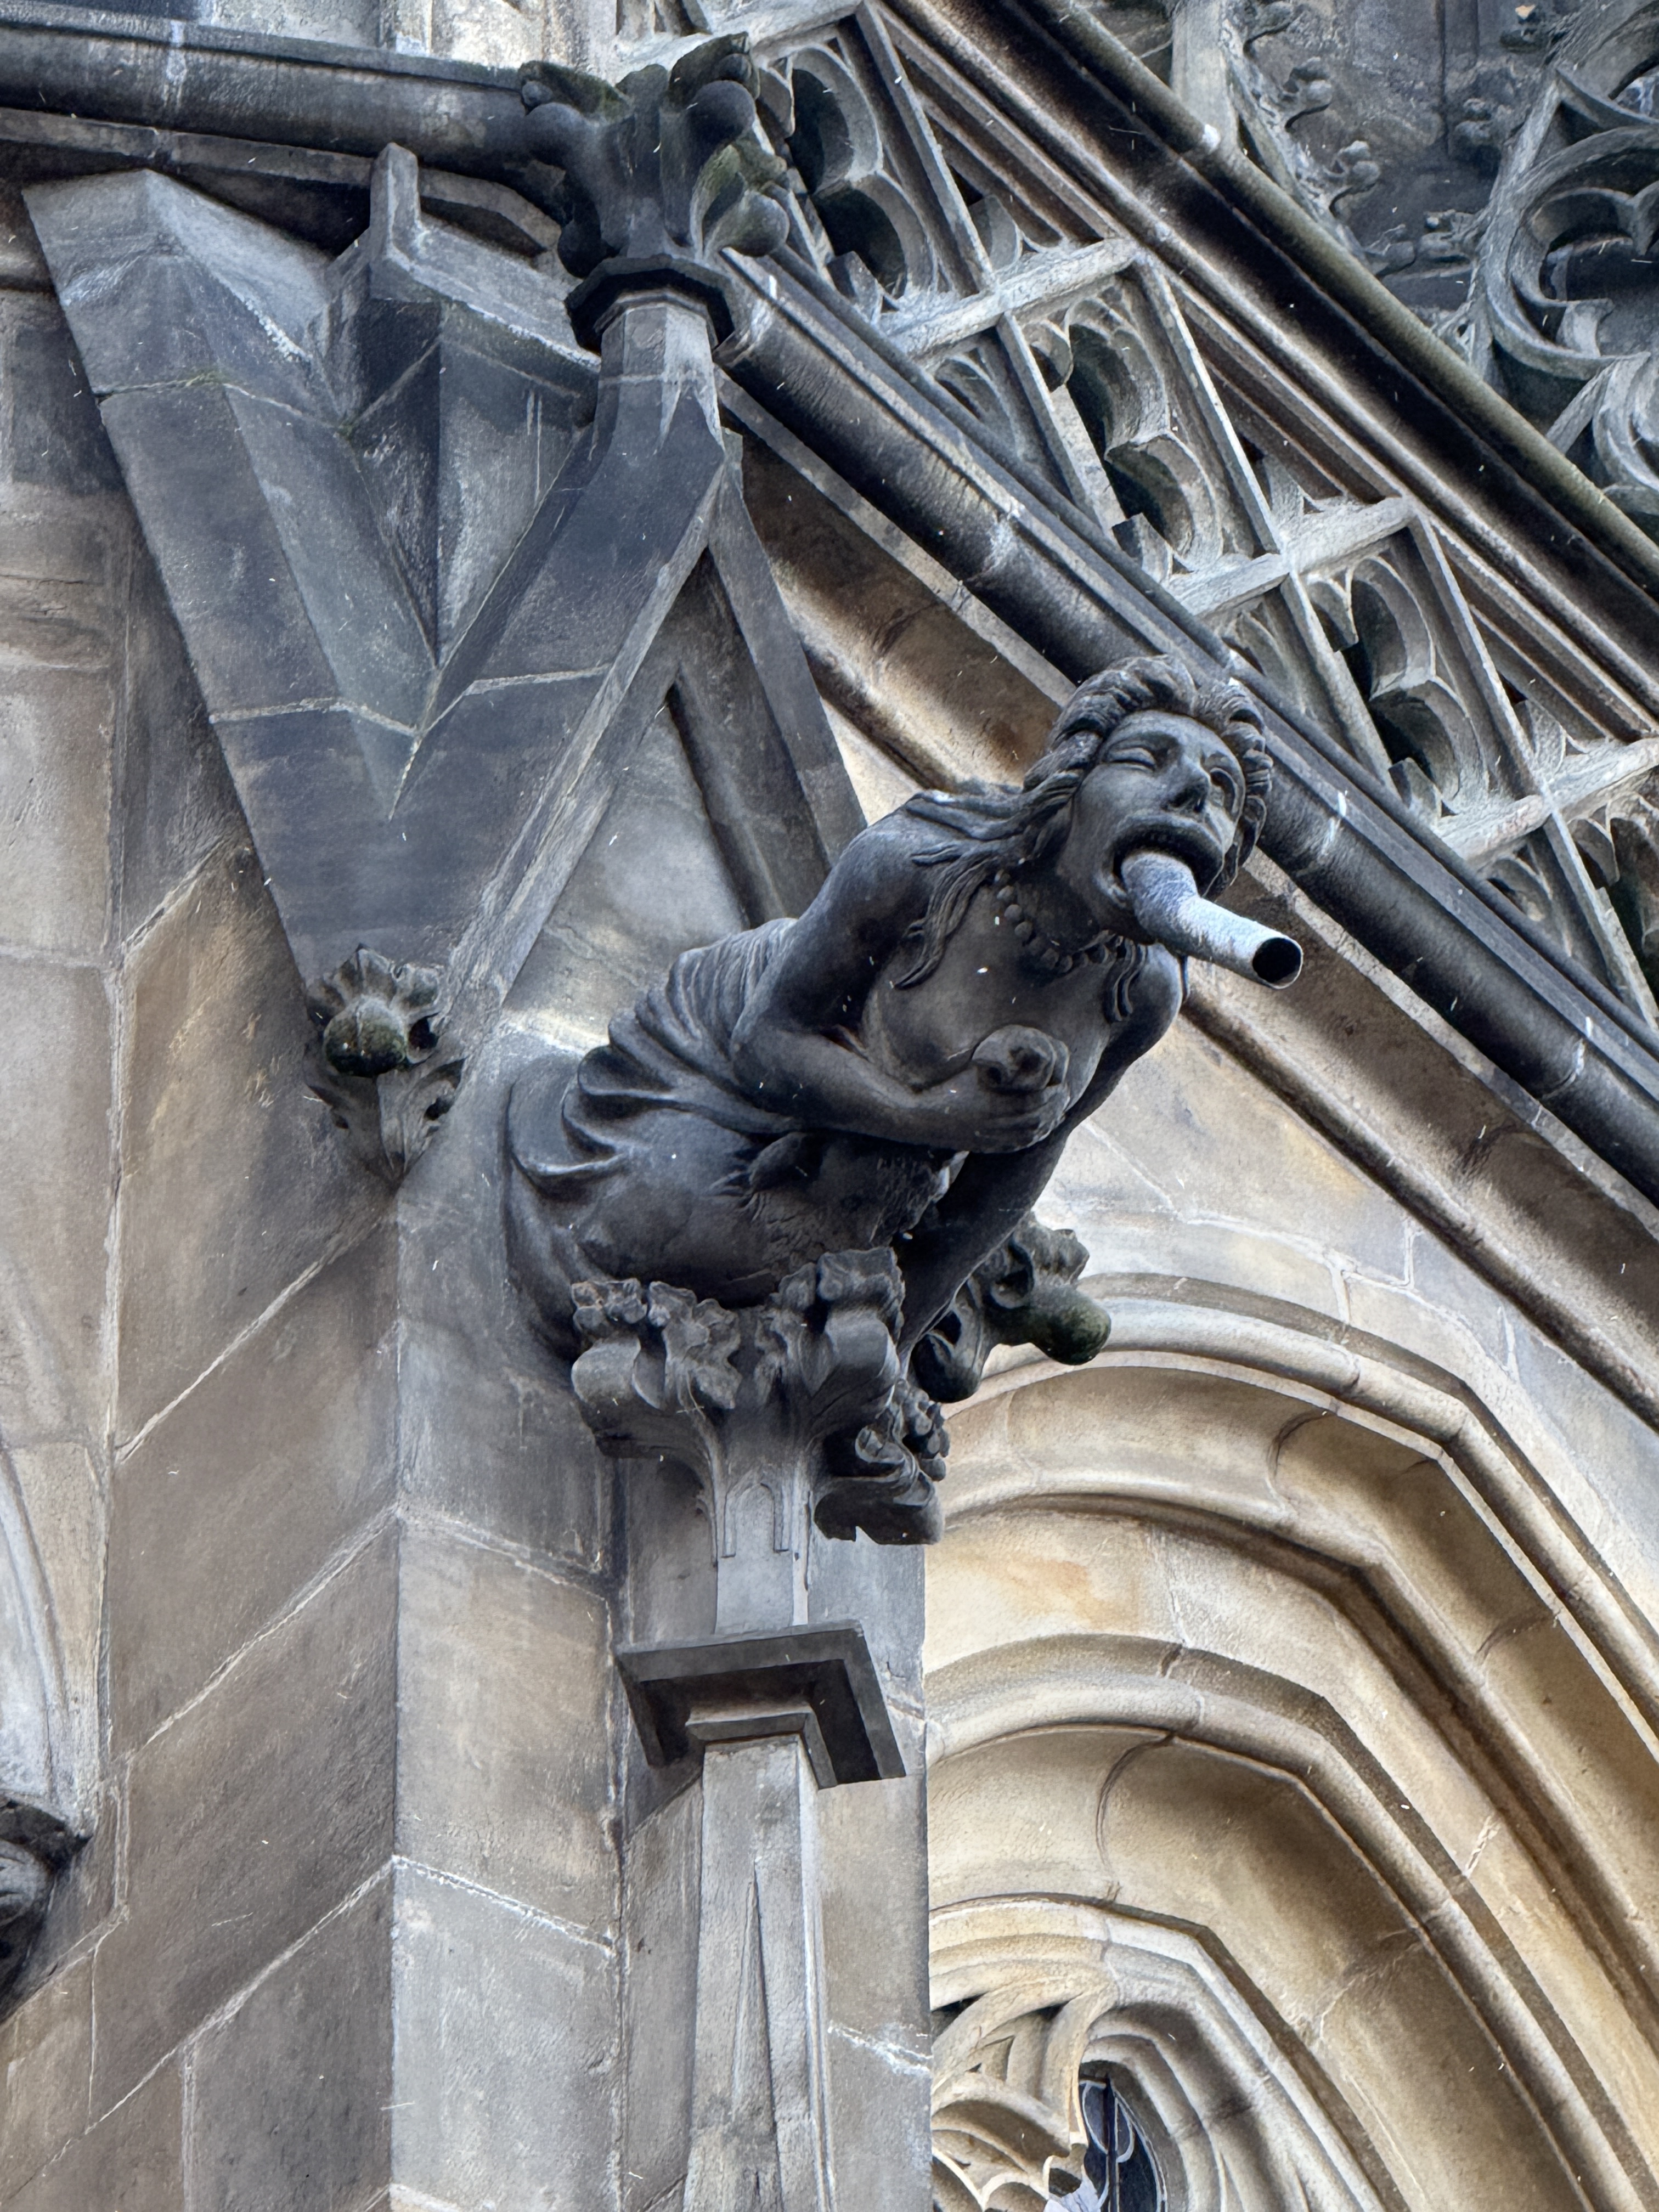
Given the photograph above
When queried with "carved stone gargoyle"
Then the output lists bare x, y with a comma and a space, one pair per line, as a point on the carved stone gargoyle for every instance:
878, 1093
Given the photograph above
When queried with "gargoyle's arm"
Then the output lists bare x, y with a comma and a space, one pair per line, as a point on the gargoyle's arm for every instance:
786, 1050
992, 1192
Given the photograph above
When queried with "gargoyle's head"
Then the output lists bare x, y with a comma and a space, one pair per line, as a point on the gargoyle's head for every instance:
1149, 756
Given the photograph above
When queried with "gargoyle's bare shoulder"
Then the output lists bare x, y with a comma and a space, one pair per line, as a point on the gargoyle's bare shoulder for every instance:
900, 835
876, 875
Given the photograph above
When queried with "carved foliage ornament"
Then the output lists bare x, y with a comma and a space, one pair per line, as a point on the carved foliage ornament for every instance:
377, 1063
799, 1397
1566, 291
662, 170
1273, 107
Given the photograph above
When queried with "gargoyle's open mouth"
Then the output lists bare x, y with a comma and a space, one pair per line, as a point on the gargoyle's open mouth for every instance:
1187, 842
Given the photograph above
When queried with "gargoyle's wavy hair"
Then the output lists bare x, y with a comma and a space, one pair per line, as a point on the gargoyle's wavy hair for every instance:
1000, 825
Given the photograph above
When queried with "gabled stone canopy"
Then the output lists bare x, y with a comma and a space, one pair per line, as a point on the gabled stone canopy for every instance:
436, 575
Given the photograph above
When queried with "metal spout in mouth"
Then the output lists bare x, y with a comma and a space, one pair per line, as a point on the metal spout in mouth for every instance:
1168, 907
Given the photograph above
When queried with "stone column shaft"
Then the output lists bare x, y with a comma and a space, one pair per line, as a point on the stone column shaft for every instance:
758, 2117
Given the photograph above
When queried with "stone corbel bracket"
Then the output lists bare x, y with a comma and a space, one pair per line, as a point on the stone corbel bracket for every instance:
794, 1413
783, 1410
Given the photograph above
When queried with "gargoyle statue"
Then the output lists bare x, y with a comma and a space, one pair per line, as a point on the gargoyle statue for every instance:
900, 1068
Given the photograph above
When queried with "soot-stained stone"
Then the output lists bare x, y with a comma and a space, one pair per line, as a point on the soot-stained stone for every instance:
244, 1491
265, 1805
506, 2063
222, 557
290, 2094
598, 936
507, 433
504, 1759
177, 799
217, 1035
57, 437
355, 599
132, 2158
165, 285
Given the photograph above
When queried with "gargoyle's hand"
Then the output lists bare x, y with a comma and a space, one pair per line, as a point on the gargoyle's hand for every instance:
962, 1114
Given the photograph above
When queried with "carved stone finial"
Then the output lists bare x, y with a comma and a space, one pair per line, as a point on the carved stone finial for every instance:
375, 1017
661, 173
377, 1064
822, 1129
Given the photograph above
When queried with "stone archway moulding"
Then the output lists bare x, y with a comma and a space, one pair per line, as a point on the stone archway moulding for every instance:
1285, 1584
1040, 1987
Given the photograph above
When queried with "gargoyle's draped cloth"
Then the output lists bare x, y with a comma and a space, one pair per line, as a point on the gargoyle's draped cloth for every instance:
655, 1160
671, 1050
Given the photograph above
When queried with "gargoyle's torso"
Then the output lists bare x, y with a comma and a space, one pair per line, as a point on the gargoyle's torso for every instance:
985, 981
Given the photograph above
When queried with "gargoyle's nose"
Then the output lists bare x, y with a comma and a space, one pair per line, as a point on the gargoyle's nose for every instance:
1191, 791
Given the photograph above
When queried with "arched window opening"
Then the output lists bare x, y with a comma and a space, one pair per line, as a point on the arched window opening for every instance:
1120, 2174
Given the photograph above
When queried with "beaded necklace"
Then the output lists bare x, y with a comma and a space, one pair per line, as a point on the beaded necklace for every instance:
1036, 944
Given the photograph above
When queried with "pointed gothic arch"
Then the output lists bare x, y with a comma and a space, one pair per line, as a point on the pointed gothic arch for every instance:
1251, 1638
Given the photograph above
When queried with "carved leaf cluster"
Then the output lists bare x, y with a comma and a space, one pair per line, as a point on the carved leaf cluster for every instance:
806, 1386
668, 160
377, 1062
